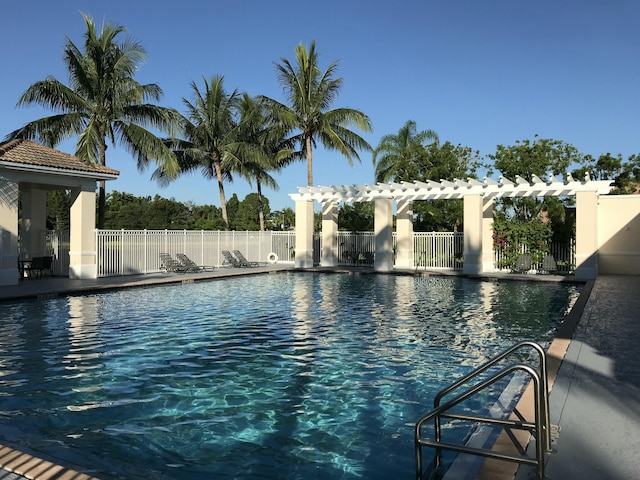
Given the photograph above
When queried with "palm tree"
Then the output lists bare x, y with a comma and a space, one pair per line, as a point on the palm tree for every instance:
310, 93
262, 148
209, 130
102, 102
398, 157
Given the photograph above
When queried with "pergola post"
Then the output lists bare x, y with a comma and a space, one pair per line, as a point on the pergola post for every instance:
586, 235
383, 234
8, 232
488, 254
329, 254
404, 234
82, 245
473, 223
304, 234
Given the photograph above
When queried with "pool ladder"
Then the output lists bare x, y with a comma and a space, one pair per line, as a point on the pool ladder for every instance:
539, 428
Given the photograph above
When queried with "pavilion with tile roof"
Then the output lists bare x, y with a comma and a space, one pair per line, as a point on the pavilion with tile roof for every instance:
32, 170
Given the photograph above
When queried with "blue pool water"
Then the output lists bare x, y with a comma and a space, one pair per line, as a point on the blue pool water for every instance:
287, 376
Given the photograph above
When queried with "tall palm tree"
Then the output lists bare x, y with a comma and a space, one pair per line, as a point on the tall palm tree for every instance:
102, 102
398, 157
310, 93
262, 148
209, 128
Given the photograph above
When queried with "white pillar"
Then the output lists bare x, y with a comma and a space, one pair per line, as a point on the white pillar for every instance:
8, 232
329, 255
404, 234
488, 263
473, 249
383, 231
34, 222
82, 247
586, 235
304, 234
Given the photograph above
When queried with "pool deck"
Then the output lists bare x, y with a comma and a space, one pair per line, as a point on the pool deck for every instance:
594, 401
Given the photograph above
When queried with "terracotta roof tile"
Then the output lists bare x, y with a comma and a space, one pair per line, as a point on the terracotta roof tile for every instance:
30, 153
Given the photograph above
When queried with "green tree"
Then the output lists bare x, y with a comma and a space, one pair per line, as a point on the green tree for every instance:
532, 222
402, 157
58, 205
356, 217
262, 147
310, 92
248, 214
103, 102
625, 174
209, 142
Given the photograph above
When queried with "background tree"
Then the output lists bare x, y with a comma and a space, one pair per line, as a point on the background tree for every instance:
402, 157
310, 92
532, 221
58, 205
356, 217
412, 155
102, 102
248, 215
262, 147
209, 136
626, 175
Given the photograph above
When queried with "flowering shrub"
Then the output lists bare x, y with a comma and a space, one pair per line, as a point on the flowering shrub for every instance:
513, 239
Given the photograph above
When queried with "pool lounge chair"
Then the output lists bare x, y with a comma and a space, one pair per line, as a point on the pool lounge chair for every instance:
548, 264
229, 260
169, 264
191, 266
246, 263
523, 264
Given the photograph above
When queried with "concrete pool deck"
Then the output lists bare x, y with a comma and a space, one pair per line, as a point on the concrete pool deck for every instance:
595, 400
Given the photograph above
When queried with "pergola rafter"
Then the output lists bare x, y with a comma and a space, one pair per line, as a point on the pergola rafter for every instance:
455, 189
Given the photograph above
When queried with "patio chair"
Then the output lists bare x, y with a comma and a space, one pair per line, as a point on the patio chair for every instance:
192, 266
523, 264
229, 260
246, 263
548, 264
169, 264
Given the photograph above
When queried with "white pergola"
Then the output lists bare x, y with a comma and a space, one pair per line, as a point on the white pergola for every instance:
478, 199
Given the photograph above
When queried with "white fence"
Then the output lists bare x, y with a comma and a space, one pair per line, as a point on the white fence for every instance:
564, 255
128, 252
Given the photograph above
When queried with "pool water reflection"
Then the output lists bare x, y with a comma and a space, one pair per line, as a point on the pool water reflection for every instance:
288, 375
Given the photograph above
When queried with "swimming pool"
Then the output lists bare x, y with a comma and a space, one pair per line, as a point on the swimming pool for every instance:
288, 375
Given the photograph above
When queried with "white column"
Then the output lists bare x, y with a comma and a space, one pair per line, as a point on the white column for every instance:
383, 231
304, 234
82, 248
8, 232
473, 249
404, 234
34, 222
586, 235
329, 255
488, 255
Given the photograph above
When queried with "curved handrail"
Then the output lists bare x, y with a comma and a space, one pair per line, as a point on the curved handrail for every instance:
541, 402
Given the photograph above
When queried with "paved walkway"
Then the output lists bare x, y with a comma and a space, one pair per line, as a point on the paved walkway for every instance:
596, 397
595, 400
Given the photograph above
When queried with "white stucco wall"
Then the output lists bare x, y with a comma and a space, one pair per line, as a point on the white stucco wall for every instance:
619, 234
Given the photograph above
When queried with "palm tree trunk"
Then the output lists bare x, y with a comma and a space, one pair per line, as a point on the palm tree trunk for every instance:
223, 202
102, 200
309, 162
260, 206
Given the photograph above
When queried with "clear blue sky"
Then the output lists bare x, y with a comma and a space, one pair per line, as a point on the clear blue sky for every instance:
479, 73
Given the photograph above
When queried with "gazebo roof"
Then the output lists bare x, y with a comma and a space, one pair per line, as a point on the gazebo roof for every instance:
445, 189
25, 155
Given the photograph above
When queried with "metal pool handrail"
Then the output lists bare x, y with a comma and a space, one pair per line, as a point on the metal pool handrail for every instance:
540, 428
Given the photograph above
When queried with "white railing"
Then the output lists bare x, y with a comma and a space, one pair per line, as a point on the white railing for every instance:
128, 252
564, 255
438, 250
